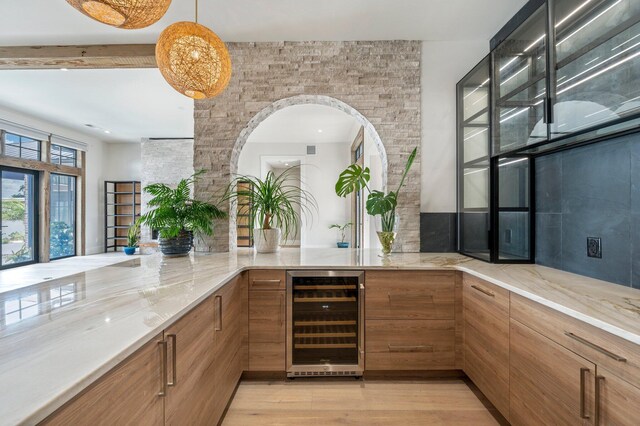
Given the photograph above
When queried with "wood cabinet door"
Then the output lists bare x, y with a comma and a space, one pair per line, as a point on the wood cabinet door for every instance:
267, 279
267, 331
550, 385
411, 295
229, 343
486, 340
394, 345
618, 402
127, 395
190, 372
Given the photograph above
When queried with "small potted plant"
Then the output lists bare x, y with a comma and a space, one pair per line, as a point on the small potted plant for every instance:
133, 237
275, 206
343, 234
176, 216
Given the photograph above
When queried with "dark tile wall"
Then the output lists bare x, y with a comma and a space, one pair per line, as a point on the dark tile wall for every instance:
437, 232
593, 191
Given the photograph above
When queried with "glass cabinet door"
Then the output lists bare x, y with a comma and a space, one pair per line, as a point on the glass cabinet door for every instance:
473, 156
514, 209
597, 76
520, 85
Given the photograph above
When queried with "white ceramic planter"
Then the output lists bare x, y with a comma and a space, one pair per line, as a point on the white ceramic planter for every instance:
267, 240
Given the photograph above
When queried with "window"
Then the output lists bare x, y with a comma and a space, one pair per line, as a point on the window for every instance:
19, 221
21, 147
62, 240
64, 156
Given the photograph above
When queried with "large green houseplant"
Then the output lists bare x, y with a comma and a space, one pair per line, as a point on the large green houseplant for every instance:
275, 206
355, 178
177, 217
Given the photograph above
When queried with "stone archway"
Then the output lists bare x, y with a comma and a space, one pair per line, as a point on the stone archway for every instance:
276, 106
306, 100
380, 80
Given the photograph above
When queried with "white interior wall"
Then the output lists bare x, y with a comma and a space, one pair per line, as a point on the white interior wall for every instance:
293, 179
443, 65
94, 174
319, 174
123, 161
374, 162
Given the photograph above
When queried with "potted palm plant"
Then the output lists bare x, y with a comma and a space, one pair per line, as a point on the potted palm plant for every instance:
343, 233
176, 216
354, 178
133, 236
276, 206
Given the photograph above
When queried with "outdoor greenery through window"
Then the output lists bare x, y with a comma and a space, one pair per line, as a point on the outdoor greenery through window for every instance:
62, 242
21, 147
18, 224
64, 156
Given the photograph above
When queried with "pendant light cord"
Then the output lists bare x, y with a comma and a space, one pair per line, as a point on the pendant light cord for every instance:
196, 11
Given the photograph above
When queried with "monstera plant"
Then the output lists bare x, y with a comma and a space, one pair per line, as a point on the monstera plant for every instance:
379, 204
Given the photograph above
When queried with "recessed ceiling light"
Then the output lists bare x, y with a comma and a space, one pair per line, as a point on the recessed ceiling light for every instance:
319, 130
107, 131
64, 69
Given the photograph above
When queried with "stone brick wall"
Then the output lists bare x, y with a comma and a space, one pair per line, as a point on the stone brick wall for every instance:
381, 80
164, 161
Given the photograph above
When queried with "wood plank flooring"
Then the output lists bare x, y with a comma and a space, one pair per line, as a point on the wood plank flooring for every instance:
349, 402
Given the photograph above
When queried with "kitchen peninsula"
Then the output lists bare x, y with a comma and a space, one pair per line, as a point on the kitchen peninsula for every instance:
114, 311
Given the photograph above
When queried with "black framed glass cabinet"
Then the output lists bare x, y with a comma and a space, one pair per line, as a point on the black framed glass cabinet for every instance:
561, 74
474, 138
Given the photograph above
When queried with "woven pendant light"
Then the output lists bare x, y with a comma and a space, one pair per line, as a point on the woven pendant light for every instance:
128, 14
193, 60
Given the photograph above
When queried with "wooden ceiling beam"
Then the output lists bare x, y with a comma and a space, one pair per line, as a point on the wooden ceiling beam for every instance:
78, 57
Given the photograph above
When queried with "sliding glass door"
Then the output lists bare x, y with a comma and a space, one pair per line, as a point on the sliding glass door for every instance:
62, 241
18, 196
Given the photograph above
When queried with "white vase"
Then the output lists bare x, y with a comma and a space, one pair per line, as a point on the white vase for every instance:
267, 240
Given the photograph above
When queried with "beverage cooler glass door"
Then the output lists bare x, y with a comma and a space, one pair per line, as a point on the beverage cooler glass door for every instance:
325, 334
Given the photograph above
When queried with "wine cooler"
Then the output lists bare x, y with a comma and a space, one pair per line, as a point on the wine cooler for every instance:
325, 312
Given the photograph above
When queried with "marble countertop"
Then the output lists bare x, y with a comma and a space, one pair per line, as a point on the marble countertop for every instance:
58, 336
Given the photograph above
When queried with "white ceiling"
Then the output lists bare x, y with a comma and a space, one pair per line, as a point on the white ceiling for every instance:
131, 103
134, 104
31, 22
308, 124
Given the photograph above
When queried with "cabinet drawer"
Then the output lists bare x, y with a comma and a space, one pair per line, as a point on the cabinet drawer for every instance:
410, 345
266, 279
618, 355
410, 295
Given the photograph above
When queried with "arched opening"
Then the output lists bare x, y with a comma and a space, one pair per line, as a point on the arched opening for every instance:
323, 136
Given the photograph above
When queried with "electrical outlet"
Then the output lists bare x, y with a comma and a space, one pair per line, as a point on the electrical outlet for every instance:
594, 247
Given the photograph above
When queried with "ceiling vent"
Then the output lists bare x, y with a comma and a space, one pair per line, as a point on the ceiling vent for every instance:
311, 150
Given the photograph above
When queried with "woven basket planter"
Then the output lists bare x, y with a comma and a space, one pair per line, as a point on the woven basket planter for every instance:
177, 246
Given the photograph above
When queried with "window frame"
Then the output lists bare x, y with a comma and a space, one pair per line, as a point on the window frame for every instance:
36, 208
60, 155
75, 215
20, 146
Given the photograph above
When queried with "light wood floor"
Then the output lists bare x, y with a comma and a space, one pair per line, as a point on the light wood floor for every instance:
309, 402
